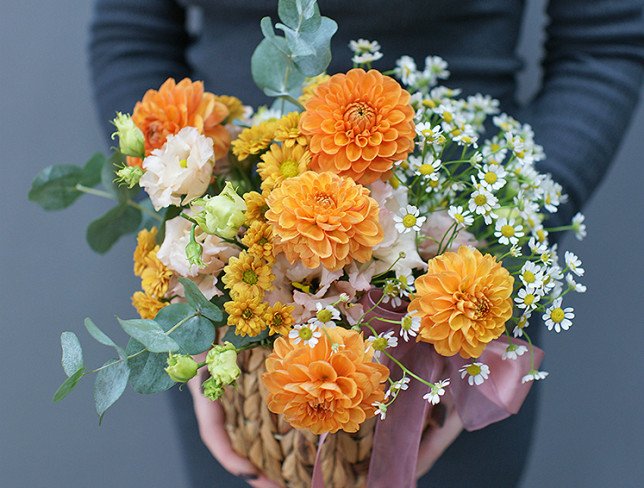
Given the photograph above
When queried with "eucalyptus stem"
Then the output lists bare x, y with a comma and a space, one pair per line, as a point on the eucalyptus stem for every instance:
110, 196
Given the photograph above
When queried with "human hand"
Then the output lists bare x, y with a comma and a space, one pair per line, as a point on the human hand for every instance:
210, 418
436, 440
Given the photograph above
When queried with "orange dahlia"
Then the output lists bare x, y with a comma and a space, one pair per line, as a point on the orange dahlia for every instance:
174, 106
323, 218
464, 301
325, 388
359, 124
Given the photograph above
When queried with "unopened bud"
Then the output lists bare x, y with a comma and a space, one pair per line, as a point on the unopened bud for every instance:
181, 367
131, 140
129, 175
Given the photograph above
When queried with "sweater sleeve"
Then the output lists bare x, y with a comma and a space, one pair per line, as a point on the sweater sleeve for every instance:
134, 45
593, 70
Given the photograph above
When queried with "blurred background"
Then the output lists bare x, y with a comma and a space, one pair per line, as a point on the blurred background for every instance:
590, 425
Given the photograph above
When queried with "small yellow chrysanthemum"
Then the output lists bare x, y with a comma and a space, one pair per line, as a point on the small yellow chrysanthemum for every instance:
246, 313
310, 84
254, 140
280, 163
255, 207
145, 242
247, 272
259, 240
147, 306
288, 131
155, 277
234, 105
279, 318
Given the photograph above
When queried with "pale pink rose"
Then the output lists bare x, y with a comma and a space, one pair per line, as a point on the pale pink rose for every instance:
435, 228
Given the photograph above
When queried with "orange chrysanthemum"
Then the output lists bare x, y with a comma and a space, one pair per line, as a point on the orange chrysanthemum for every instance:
174, 106
147, 306
324, 388
323, 218
359, 124
464, 301
146, 241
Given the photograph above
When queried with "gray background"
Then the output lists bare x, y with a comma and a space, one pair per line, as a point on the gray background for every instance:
590, 425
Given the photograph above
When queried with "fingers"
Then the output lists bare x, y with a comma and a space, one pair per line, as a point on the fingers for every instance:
211, 421
436, 441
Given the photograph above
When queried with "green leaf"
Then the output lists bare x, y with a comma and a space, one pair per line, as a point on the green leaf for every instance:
68, 385
299, 14
195, 335
147, 369
101, 337
103, 232
110, 383
72, 353
199, 302
54, 188
92, 170
243, 341
320, 43
297, 45
150, 334
269, 66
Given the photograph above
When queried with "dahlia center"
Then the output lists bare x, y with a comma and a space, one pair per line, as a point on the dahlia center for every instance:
360, 116
324, 200
289, 169
250, 277
557, 315
474, 306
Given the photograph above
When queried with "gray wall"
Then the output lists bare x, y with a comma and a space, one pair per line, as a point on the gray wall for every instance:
590, 426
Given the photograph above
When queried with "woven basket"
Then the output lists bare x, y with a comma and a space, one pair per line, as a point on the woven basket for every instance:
284, 454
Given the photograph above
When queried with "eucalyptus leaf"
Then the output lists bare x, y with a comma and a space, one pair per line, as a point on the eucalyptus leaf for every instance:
199, 302
243, 341
273, 70
320, 43
103, 232
101, 337
298, 46
68, 385
195, 335
110, 384
150, 334
301, 15
92, 170
72, 353
147, 369
54, 188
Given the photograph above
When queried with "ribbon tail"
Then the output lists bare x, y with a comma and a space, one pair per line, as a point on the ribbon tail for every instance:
317, 480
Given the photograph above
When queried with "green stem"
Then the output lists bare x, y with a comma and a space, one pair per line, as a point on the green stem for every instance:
110, 196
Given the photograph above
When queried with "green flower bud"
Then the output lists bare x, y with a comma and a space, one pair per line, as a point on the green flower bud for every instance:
194, 250
212, 390
223, 214
181, 367
131, 140
222, 364
129, 175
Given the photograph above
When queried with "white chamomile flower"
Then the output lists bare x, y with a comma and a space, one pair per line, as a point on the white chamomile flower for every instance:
308, 334
531, 275
482, 202
364, 46
381, 342
428, 133
406, 70
515, 251
366, 58
578, 287
492, 177
578, 226
381, 409
537, 248
391, 292
527, 298
573, 263
406, 284
397, 386
462, 217
325, 316
513, 351
534, 375
508, 232
437, 391
476, 373
523, 323
409, 326
409, 220
558, 318
436, 68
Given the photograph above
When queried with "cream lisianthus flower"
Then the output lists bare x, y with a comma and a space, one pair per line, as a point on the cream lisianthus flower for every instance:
181, 168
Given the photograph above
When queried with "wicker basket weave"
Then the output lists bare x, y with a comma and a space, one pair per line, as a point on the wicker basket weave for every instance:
284, 454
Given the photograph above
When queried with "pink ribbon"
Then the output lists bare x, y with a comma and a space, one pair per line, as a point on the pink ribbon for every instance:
397, 438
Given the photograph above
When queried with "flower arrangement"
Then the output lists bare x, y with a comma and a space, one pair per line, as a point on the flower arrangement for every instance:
363, 220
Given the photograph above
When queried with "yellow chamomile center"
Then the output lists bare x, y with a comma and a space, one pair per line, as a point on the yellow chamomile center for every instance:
324, 315
490, 177
183, 163
528, 276
409, 220
557, 315
507, 231
473, 369
250, 277
480, 199
406, 323
289, 169
425, 169
380, 344
459, 218
528, 299
305, 333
